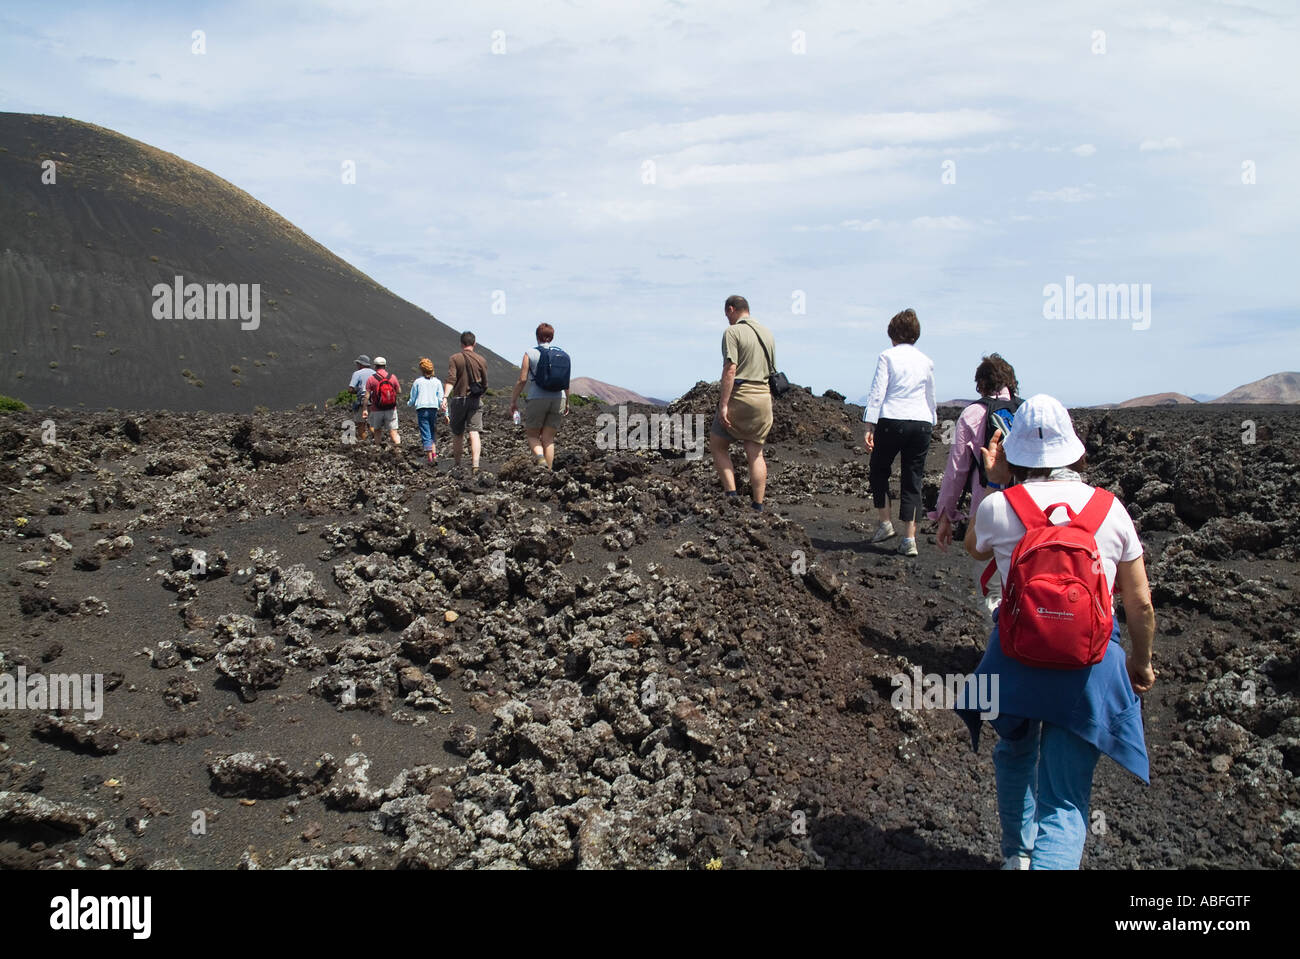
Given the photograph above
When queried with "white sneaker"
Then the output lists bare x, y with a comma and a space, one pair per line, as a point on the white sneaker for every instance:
907, 547
883, 532
1016, 863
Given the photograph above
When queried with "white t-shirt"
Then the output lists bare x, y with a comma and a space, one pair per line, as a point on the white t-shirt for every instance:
997, 526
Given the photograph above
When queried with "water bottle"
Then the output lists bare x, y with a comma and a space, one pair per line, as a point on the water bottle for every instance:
516, 417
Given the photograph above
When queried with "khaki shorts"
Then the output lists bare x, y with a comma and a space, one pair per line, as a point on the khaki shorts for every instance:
383, 419
543, 412
750, 410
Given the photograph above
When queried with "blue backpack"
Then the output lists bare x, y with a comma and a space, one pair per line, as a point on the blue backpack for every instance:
552, 373
1001, 414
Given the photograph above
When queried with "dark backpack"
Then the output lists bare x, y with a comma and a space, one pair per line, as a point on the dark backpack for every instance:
1006, 412
552, 373
386, 394
1056, 608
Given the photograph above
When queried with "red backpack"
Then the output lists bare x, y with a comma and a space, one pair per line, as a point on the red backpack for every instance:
1056, 608
386, 395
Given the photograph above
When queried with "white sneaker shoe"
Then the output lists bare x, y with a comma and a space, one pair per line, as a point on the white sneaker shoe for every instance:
1016, 863
907, 547
883, 532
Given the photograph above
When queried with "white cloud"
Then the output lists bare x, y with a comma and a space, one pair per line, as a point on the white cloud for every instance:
1067, 194
1084, 150
1168, 143
864, 225
957, 223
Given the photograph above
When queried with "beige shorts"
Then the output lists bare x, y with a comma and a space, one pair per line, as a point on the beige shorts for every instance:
383, 419
543, 412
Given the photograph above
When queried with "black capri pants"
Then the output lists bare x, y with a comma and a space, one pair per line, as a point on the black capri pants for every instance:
911, 438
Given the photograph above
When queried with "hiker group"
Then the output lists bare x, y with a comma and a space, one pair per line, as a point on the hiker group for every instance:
1057, 551
1053, 550
544, 374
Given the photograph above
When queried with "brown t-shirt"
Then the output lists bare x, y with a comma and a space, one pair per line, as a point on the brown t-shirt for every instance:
459, 375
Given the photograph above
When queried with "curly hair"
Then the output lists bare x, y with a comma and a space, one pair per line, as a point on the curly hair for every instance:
995, 374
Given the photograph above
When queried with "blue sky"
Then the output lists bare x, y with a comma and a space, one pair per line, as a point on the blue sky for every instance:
1101, 140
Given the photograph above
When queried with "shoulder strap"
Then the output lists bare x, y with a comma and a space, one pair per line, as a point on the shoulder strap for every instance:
1025, 508
1095, 512
767, 356
989, 571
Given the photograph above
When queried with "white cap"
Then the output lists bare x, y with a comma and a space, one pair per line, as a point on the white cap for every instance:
1042, 435
380, 361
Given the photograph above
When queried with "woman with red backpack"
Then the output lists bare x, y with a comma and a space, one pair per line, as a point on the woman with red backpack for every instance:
1065, 690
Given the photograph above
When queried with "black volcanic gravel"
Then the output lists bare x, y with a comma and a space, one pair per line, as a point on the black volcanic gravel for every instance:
323, 655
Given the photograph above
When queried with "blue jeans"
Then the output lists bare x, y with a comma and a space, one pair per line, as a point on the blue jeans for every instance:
428, 420
1044, 784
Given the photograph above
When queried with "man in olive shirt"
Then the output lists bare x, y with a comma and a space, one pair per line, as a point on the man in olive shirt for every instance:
744, 400
466, 369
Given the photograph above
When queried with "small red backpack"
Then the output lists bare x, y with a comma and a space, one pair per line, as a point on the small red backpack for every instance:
386, 395
1056, 607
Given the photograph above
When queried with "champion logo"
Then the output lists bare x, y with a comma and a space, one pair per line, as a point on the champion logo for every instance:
1053, 614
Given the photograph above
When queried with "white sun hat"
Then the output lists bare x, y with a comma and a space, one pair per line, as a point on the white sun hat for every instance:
1042, 435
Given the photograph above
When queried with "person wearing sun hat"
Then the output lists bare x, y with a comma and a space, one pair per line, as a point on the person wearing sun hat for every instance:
357, 386
1053, 724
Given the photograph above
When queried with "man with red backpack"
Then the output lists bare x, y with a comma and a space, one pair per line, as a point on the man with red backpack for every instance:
382, 390
1066, 690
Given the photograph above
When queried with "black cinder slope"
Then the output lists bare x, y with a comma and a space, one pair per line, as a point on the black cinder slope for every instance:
80, 258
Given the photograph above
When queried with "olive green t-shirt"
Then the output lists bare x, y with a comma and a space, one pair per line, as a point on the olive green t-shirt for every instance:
740, 346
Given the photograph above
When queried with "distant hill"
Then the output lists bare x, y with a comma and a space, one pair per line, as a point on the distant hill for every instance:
1278, 388
1151, 399
79, 259
586, 386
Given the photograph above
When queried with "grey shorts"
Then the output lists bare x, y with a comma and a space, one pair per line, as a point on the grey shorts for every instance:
466, 413
543, 412
383, 419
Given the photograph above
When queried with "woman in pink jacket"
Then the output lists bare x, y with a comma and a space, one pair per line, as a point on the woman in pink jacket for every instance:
996, 381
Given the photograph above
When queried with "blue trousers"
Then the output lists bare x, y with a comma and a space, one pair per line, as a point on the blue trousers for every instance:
1044, 785
428, 418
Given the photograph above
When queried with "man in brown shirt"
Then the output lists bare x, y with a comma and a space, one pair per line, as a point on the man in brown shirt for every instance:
466, 383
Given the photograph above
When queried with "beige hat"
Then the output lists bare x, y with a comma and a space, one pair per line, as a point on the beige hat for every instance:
380, 361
